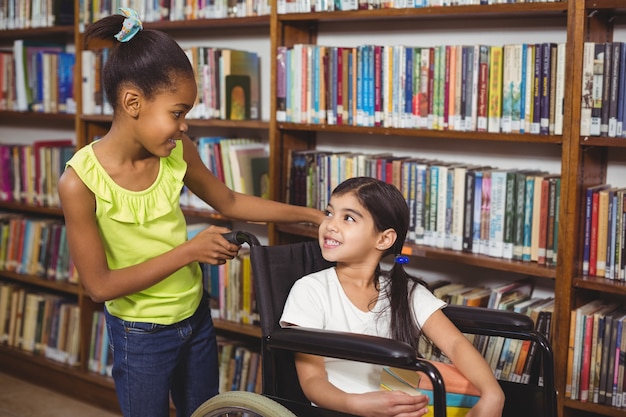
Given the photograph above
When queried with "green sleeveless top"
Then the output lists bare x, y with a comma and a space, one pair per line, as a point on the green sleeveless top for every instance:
138, 225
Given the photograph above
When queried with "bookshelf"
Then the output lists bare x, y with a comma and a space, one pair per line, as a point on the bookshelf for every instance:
581, 161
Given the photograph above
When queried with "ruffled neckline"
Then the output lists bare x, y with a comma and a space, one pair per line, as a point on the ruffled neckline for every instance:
139, 207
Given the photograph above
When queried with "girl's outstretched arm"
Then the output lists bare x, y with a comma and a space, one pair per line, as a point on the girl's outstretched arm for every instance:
235, 205
469, 361
87, 248
314, 382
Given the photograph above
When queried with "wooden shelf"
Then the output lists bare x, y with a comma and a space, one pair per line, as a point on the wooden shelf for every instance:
57, 120
423, 133
446, 255
205, 123
26, 208
517, 10
37, 281
55, 32
601, 285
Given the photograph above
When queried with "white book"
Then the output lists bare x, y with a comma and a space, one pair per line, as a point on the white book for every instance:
458, 205
496, 213
560, 89
88, 58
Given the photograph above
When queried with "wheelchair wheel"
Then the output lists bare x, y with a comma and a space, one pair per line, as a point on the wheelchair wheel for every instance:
241, 404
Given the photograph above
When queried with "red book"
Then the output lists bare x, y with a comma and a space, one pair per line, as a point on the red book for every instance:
586, 358
378, 97
448, 84
543, 221
340, 82
483, 90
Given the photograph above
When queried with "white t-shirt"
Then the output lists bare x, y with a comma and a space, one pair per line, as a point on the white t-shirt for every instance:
318, 301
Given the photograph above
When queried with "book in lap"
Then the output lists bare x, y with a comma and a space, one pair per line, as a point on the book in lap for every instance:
461, 395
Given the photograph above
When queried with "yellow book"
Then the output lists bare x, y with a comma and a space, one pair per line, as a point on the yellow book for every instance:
494, 108
603, 222
460, 397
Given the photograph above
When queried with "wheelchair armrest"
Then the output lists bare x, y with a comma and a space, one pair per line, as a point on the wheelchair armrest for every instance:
479, 319
360, 348
344, 345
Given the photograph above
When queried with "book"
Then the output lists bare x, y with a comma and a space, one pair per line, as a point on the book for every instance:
587, 88
398, 379
482, 120
241, 156
603, 233
245, 64
497, 213
496, 60
598, 89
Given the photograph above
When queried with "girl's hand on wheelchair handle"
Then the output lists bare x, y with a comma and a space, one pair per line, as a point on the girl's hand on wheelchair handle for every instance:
211, 247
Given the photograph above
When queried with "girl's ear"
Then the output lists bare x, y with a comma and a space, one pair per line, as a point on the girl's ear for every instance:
131, 101
386, 239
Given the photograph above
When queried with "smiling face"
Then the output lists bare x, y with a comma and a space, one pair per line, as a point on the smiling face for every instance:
348, 233
162, 119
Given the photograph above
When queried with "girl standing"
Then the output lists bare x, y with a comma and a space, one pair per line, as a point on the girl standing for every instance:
127, 233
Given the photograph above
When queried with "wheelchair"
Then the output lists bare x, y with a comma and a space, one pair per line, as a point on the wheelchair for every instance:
276, 268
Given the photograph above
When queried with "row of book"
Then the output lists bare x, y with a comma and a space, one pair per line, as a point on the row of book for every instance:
228, 83
29, 173
516, 88
603, 89
240, 367
597, 349
230, 286
42, 323
37, 247
504, 213
37, 76
100, 360
240, 163
604, 252
307, 6
27, 14
173, 10
510, 359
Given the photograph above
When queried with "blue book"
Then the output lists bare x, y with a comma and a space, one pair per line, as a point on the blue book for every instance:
360, 85
315, 90
408, 88
523, 88
528, 217
478, 191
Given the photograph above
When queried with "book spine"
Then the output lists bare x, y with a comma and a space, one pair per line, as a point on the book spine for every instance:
606, 89
528, 217
468, 215
509, 216
497, 214
587, 88
614, 89
496, 60
621, 106
598, 80
535, 127
477, 211
544, 103
483, 89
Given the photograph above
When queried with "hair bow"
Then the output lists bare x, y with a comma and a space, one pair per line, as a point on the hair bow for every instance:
132, 24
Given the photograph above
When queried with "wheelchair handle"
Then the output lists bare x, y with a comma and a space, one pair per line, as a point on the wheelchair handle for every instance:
239, 237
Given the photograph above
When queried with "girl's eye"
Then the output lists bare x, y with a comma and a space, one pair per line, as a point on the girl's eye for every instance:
177, 114
349, 218
327, 213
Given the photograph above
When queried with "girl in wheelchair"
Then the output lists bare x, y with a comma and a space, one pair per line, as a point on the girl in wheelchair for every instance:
367, 219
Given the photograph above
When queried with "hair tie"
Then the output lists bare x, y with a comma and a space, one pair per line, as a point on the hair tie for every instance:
132, 24
401, 259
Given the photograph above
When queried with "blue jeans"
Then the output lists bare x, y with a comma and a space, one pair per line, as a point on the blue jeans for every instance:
153, 361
